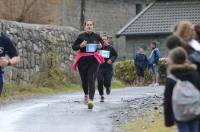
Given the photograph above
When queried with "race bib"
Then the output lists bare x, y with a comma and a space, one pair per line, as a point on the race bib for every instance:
91, 47
104, 53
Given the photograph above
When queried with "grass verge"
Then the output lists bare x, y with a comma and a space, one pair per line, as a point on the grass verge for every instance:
152, 122
22, 91
118, 84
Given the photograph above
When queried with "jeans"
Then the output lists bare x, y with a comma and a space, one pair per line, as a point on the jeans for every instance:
188, 126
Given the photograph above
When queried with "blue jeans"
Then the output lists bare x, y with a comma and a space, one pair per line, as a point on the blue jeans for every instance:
1, 81
192, 126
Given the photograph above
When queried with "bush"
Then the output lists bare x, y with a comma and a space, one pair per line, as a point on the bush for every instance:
125, 71
163, 70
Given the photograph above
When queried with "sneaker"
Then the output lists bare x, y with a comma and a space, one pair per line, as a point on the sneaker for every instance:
156, 84
86, 98
102, 98
90, 104
108, 91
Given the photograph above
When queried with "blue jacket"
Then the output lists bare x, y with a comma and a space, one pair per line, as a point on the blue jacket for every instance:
154, 56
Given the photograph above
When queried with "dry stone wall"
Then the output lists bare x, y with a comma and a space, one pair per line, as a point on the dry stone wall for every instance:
34, 42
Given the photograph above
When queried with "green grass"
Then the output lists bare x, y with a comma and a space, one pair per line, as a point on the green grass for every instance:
22, 91
152, 122
14, 91
118, 84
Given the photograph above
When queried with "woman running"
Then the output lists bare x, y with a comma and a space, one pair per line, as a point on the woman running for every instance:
88, 60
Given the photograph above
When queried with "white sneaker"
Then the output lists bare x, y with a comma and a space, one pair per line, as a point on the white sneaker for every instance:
156, 84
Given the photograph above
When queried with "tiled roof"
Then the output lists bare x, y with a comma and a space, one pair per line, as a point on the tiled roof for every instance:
161, 16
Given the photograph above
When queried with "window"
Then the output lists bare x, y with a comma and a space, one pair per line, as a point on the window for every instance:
138, 8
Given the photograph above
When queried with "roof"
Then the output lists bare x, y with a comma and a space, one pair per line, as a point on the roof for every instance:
161, 16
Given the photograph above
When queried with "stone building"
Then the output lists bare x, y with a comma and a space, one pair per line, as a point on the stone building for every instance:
156, 22
108, 15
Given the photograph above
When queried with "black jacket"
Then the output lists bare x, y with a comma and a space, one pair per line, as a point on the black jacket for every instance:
183, 72
7, 46
90, 38
113, 56
140, 60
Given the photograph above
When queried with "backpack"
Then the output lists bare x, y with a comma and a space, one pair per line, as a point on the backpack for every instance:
185, 100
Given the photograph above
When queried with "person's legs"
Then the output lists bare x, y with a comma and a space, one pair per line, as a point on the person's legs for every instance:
83, 71
100, 81
152, 73
142, 76
199, 126
139, 75
1, 83
157, 77
194, 126
108, 74
138, 80
183, 127
92, 74
84, 80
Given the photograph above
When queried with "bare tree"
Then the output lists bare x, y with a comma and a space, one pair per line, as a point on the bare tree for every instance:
31, 11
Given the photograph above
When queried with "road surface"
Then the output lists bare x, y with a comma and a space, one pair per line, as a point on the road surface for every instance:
67, 113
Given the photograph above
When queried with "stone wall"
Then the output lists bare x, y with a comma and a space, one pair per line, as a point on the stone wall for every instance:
134, 42
34, 42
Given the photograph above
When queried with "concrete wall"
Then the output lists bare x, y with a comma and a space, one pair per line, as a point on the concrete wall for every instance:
34, 43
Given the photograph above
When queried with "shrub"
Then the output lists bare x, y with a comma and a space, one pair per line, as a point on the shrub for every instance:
125, 71
163, 70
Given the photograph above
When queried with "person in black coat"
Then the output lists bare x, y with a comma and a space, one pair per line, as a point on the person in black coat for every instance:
88, 61
141, 62
105, 71
181, 69
7, 47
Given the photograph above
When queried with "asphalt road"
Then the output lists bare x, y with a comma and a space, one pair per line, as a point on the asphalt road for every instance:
67, 113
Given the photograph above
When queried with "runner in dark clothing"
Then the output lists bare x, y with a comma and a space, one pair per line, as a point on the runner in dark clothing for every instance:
87, 60
7, 48
105, 71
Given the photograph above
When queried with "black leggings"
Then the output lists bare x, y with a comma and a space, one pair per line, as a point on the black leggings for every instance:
104, 78
88, 67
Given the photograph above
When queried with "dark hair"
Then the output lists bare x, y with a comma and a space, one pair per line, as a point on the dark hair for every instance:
154, 43
104, 35
173, 41
178, 55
